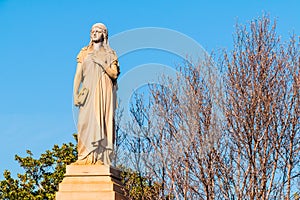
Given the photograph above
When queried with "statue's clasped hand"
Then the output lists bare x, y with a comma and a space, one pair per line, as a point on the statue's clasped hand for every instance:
112, 69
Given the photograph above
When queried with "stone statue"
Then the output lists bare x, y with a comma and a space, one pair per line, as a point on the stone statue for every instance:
95, 86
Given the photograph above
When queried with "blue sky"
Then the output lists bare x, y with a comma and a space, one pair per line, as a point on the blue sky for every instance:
39, 41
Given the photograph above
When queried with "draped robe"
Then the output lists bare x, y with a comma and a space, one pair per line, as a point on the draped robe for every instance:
96, 115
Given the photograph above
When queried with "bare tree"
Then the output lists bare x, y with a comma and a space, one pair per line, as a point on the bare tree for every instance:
201, 136
262, 112
177, 137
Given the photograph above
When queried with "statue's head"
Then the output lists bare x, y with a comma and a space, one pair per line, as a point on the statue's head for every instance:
99, 33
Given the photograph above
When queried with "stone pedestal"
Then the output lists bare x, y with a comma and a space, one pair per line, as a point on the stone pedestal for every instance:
90, 182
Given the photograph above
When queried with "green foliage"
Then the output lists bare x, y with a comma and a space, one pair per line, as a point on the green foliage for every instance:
41, 177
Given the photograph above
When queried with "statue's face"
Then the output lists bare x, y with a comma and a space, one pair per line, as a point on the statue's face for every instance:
97, 34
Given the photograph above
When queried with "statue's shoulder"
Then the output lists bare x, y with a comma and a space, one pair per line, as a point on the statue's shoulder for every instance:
84, 48
82, 54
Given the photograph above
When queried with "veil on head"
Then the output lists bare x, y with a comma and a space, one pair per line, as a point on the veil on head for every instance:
106, 43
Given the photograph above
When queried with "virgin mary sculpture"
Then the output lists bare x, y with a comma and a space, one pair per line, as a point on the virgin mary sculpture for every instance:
95, 86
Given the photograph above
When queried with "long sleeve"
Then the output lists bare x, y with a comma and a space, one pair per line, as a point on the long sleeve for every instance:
77, 81
79, 74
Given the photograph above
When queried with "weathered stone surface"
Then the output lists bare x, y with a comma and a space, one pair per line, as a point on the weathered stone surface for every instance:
91, 182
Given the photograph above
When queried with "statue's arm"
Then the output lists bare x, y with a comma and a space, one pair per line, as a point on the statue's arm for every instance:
77, 80
113, 71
